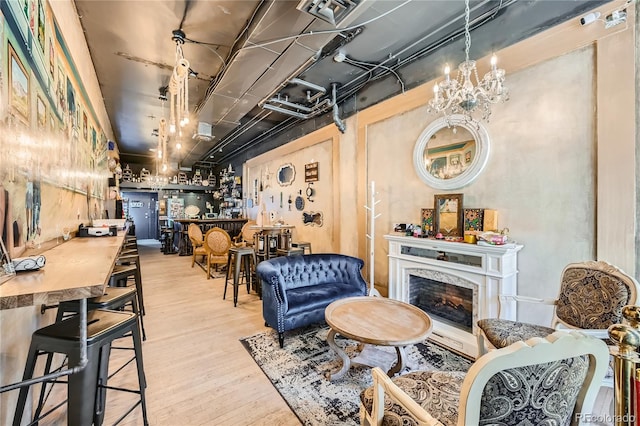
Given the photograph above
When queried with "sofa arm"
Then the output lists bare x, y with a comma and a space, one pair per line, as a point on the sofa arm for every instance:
271, 280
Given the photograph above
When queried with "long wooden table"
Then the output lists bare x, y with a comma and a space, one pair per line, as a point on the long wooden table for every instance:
76, 269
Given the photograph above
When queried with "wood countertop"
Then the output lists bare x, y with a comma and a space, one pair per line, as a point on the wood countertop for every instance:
76, 269
208, 220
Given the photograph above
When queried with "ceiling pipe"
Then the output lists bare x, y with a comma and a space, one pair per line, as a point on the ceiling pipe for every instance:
308, 84
336, 117
290, 104
297, 71
317, 109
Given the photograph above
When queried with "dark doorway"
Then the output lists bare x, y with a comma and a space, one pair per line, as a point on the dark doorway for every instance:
143, 211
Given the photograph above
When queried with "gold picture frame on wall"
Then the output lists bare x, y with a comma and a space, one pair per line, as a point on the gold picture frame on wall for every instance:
18, 86
449, 218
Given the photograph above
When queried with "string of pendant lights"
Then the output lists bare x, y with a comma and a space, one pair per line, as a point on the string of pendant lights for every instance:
179, 87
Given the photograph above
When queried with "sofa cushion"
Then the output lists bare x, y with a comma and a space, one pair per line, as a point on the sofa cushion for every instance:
318, 296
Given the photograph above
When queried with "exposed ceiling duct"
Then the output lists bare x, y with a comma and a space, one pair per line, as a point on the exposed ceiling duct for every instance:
266, 67
331, 11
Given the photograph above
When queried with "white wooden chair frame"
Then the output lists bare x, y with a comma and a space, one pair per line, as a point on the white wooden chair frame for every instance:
558, 345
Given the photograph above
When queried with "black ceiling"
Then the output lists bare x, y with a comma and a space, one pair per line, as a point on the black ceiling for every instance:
254, 59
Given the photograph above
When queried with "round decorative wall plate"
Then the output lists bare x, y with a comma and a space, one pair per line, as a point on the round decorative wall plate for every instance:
299, 203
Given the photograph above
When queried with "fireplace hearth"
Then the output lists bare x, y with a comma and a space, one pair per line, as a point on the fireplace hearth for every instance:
448, 303
455, 284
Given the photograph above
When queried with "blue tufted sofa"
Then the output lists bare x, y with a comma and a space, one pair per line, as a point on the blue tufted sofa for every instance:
297, 289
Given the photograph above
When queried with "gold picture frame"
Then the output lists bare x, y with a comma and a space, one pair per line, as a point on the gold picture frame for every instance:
18, 85
449, 218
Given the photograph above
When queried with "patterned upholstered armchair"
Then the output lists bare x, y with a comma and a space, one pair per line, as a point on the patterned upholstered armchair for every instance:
541, 381
592, 295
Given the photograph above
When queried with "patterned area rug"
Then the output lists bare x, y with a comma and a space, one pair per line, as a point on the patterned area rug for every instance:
297, 372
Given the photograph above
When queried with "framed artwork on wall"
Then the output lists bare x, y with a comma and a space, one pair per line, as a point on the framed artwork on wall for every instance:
18, 86
41, 112
85, 128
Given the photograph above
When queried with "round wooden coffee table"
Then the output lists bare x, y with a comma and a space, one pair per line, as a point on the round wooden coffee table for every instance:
376, 321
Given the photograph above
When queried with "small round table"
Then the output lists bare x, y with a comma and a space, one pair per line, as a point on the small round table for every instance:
376, 321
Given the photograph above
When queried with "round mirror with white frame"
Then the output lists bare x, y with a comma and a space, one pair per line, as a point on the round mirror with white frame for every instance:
451, 152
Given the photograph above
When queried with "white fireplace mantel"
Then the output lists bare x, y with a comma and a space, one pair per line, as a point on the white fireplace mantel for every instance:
490, 270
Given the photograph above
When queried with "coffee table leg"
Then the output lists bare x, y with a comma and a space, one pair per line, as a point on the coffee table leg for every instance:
401, 364
346, 362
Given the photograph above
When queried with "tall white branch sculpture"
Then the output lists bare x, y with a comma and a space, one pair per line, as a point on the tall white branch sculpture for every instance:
371, 237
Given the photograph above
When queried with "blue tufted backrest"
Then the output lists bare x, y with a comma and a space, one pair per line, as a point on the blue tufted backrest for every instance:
312, 269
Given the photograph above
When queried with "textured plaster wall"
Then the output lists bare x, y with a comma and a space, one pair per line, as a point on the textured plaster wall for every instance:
539, 176
60, 208
265, 170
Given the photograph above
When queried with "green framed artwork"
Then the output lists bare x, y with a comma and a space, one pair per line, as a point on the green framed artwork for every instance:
473, 219
426, 216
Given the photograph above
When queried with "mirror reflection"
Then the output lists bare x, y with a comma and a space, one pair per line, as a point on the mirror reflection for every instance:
286, 174
449, 152
448, 208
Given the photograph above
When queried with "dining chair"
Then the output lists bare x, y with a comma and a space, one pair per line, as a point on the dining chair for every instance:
217, 243
197, 242
245, 237
549, 380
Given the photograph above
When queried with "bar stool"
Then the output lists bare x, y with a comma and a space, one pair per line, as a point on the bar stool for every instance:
86, 389
114, 298
121, 273
304, 245
243, 258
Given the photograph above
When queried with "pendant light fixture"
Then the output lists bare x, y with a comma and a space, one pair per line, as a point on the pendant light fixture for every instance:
461, 95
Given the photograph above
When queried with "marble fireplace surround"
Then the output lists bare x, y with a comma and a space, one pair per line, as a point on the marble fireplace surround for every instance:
490, 271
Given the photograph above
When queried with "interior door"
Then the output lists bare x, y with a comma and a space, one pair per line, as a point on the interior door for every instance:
142, 209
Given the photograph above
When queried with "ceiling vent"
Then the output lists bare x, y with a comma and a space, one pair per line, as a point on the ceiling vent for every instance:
204, 132
331, 11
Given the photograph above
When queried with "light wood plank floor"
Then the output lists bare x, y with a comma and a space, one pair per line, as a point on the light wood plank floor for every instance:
198, 372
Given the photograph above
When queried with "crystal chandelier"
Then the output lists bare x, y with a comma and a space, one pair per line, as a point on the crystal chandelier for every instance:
179, 87
461, 95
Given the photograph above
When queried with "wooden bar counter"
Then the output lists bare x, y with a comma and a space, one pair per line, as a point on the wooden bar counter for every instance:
74, 269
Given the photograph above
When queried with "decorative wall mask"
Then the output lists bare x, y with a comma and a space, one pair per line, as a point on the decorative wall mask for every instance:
312, 218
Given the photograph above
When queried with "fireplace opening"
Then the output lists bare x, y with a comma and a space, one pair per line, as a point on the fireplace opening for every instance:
447, 303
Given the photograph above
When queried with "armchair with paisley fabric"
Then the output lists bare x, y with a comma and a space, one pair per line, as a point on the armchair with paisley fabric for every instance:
592, 295
548, 380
